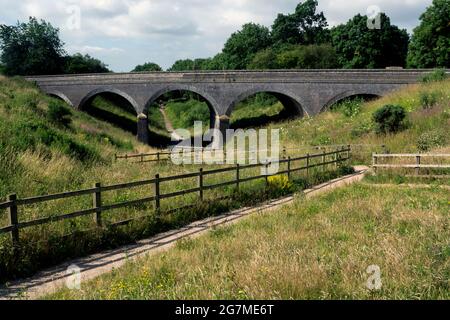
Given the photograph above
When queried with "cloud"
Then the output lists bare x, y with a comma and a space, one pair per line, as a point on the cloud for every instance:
124, 33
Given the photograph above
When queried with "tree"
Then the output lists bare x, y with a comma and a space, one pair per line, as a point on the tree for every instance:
358, 46
84, 64
149, 66
264, 59
31, 48
430, 44
308, 57
241, 47
304, 26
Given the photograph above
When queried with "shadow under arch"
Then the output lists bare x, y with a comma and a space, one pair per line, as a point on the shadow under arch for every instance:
61, 96
106, 90
292, 108
367, 96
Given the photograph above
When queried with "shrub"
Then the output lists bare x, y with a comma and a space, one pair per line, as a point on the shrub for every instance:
389, 119
431, 139
349, 107
280, 184
437, 75
58, 113
428, 100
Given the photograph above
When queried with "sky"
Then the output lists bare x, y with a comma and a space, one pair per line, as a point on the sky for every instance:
125, 33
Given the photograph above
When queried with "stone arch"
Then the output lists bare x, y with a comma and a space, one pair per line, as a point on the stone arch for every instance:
349, 94
290, 102
60, 95
210, 101
98, 91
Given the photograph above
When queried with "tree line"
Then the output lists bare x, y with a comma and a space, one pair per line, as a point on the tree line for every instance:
299, 40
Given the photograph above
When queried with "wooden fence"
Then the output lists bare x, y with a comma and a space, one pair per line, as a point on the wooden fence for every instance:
417, 165
13, 203
165, 155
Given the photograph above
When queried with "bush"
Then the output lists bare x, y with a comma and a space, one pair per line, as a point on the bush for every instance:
349, 107
437, 75
58, 113
389, 119
428, 100
280, 185
431, 139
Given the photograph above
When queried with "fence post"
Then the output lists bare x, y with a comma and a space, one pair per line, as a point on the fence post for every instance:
157, 194
238, 176
349, 148
374, 162
307, 165
158, 157
200, 183
418, 162
267, 173
142, 157
97, 202
336, 159
323, 160
289, 167
284, 153
13, 219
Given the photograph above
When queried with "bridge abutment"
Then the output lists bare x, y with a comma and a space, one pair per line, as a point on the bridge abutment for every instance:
143, 132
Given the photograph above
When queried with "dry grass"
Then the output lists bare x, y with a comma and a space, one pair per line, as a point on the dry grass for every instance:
318, 249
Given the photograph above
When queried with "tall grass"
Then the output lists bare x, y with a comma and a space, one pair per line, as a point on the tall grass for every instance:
316, 249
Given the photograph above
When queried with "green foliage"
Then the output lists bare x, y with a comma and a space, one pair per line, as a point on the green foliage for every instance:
350, 107
428, 99
2, 68
149, 66
31, 48
308, 57
360, 47
431, 139
264, 59
389, 119
58, 113
305, 26
184, 114
435, 76
84, 64
241, 47
280, 184
430, 42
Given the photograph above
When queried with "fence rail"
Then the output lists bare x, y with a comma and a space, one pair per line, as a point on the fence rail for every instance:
165, 155
418, 165
13, 204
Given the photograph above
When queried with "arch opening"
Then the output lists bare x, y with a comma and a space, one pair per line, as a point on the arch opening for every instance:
179, 108
61, 97
120, 111
257, 109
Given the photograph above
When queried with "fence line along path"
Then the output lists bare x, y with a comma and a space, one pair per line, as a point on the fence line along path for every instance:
417, 165
14, 204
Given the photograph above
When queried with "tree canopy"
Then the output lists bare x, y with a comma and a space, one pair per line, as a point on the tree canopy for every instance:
304, 26
241, 47
148, 66
84, 64
31, 48
358, 46
430, 44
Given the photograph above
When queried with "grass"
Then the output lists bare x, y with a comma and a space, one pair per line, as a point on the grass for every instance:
39, 156
315, 249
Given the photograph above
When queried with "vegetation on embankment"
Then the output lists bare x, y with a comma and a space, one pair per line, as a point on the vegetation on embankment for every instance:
315, 249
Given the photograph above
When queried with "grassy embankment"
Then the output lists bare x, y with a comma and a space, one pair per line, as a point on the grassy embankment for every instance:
41, 156
316, 249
